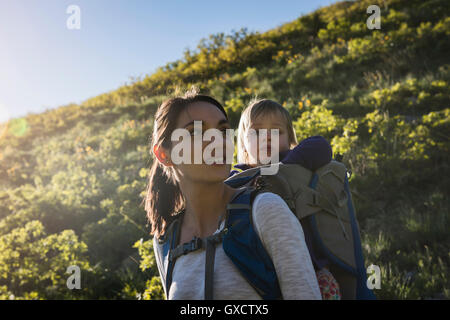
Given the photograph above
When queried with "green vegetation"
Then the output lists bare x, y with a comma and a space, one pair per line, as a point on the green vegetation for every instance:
72, 179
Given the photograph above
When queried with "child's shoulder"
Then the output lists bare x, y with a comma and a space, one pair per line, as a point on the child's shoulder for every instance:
312, 153
314, 141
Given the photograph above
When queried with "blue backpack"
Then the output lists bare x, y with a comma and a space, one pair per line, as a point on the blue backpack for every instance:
322, 202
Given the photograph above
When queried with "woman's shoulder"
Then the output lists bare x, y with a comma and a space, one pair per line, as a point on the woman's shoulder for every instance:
269, 210
265, 199
156, 242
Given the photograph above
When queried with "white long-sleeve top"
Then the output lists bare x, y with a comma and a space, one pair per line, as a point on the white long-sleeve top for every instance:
282, 237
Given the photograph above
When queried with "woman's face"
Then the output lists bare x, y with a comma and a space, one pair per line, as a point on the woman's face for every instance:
211, 118
254, 149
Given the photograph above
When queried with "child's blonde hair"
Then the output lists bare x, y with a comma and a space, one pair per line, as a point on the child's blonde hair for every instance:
256, 108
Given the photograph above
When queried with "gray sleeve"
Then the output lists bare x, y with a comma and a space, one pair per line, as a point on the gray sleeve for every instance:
282, 236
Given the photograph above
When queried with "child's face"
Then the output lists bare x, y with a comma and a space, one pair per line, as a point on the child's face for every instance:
271, 121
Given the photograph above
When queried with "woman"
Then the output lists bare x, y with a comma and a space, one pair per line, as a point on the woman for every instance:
198, 194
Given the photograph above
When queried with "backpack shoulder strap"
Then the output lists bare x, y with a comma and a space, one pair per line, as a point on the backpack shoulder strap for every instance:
244, 248
169, 242
172, 251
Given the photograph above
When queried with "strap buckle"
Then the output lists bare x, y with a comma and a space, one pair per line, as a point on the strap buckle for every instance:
194, 244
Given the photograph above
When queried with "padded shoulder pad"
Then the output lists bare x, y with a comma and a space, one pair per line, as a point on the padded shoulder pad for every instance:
243, 178
168, 234
336, 168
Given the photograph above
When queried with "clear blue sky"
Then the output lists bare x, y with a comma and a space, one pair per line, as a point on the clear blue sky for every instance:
44, 65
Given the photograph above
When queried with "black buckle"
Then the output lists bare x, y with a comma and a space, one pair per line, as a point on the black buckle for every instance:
192, 245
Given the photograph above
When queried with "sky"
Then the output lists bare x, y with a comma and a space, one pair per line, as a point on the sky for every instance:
44, 64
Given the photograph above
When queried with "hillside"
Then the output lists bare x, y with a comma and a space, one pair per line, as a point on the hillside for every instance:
72, 179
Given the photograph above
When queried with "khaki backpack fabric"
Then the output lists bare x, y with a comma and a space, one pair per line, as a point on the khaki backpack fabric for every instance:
324, 209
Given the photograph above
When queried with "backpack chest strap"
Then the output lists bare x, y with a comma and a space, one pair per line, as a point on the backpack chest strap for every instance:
209, 243
195, 244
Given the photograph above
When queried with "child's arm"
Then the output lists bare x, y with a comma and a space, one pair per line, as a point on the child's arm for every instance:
312, 153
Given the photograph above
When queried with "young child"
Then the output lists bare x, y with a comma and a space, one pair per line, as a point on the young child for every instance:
312, 153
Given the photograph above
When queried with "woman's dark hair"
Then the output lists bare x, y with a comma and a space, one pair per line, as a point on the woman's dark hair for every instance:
163, 199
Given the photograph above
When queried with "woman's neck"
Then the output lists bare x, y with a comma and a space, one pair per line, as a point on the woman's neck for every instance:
205, 204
